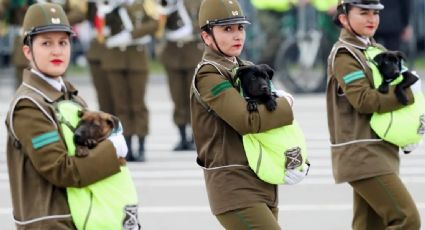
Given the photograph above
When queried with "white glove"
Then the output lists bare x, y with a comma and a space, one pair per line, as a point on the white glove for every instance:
409, 148
123, 38
120, 145
287, 96
294, 176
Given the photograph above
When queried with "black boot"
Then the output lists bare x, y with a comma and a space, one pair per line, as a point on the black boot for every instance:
141, 153
184, 144
129, 156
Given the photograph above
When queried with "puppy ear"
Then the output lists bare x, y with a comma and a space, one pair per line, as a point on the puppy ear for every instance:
240, 72
113, 121
267, 69
81, 112
401, 55
379, 58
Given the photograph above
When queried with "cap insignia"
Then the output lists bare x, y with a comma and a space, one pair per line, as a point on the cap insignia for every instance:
56, 20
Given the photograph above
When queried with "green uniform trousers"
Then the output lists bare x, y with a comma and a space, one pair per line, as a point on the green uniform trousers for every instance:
102, 86
128, 90
259, 216
383, 203
179, 82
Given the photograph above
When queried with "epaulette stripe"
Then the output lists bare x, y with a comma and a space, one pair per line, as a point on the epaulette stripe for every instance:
353, 76
220, 88
45, 139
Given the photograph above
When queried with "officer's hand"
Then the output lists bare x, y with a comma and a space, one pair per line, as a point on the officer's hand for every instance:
294, 176
119, 143
287, 96
123, 38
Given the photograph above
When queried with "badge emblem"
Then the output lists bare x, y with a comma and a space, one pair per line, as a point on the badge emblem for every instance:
293, 158
131, 221
421, 129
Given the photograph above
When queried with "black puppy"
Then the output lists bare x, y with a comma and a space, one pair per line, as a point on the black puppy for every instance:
389, 64
255, 81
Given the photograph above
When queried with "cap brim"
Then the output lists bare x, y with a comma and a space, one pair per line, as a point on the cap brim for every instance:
378, 6
231, 21
52, 28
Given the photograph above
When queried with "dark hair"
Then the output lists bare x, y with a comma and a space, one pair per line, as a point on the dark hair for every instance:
207, 28
341, 9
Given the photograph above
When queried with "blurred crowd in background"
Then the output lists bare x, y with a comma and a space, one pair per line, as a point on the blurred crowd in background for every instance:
272, 22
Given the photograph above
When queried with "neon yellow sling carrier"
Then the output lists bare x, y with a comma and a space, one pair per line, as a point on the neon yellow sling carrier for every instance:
267, 152
403, 126
109, 204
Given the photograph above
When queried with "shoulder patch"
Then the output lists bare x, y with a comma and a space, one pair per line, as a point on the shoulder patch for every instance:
353, 76
217, 89
45, 139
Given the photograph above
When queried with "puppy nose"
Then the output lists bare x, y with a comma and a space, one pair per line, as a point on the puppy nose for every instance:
264, 88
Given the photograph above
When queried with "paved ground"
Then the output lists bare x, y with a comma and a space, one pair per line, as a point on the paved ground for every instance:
171, 187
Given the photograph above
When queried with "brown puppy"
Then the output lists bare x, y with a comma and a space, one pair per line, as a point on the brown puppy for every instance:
94, 127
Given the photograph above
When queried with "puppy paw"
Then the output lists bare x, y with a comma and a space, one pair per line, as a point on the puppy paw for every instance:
251, 106
271, 105
383, 88
81, 151
402, 98
91, 143
401, 94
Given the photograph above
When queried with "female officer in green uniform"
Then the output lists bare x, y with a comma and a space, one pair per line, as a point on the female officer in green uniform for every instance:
39, 166
238, 198
369, 164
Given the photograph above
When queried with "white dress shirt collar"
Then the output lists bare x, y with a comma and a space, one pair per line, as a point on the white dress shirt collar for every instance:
56, 83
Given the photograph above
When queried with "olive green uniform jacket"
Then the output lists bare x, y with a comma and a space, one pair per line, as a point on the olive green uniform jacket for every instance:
357, 152
185, 54
40, 169
230, 183
133, 57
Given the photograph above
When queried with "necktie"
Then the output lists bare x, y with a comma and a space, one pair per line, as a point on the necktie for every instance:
65, 92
